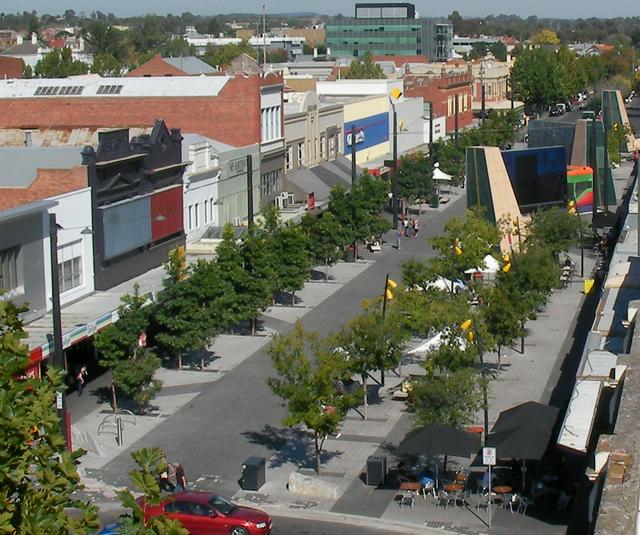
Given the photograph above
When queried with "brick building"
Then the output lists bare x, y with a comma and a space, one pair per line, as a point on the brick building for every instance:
181, 66
11, 67
238, 110
442, 92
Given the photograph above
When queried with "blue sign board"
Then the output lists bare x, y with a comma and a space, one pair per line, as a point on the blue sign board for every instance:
367, 132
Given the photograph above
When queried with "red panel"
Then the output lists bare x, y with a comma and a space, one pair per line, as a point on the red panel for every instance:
35, 355
167, 206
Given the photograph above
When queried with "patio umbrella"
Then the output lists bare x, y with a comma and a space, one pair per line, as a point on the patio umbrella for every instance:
437, 439
529, 415
519, 443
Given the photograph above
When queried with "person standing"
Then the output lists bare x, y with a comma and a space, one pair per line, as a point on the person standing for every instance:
416, 227
398, 237
181, 479
405, 226
80, 379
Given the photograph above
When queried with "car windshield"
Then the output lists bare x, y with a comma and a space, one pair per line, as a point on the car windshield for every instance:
221, 505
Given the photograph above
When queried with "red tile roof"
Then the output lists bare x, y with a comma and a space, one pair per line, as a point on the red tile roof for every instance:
11, 67
48, 183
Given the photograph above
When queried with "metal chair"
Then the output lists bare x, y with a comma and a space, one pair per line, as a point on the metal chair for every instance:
483, 501
523, 503
508, 500
407, 498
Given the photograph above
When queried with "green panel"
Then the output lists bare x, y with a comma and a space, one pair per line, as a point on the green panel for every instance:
478, 188
604, 176
612, 114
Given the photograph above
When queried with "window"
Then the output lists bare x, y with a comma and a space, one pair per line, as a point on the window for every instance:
190, 217
332, 145
70, 266
323, 146
211, 209
269, 183
289, 158
301, 153
196, 214
9, 280
206, 211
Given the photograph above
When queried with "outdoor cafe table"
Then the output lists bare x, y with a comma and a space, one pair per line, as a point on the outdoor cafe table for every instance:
502, 489
453, 487
411, 485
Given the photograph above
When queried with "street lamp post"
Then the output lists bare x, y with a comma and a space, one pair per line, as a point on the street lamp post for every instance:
58, 351
482, 96
394, 175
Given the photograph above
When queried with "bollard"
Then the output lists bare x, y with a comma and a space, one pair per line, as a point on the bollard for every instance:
119, 437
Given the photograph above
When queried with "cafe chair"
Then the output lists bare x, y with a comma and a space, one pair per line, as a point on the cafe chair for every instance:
408, 497
523, 503
508, 501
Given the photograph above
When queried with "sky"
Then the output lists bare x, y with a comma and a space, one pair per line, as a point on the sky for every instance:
467, 8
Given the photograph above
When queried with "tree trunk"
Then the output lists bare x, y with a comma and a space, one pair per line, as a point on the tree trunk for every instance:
254, 322
364, 394
293, 298
179, 362
326, 271
202, 359
317, 453
114, 402
499, 357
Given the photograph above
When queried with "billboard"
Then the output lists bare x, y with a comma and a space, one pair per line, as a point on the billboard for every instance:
580, 187
366, 132
538, 176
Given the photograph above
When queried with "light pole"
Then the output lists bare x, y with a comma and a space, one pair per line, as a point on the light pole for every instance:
395, 94
482, 97
58, 351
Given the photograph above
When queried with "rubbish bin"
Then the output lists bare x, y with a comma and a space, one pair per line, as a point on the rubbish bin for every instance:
376, 470
435, 200
350, 254
253, 473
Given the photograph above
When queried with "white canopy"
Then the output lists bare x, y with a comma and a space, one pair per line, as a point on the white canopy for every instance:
441, 283
491, 265
440, 175
434, 343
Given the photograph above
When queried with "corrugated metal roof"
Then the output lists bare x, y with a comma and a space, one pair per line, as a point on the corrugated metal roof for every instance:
94, 86
578, 421
20, 165
598, 364
190, 65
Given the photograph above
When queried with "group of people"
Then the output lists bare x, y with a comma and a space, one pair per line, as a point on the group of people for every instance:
172, 478
410, 227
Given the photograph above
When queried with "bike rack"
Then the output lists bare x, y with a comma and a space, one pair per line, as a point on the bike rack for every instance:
117, 420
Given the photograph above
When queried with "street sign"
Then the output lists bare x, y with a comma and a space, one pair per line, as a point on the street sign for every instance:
489, 456
59, 400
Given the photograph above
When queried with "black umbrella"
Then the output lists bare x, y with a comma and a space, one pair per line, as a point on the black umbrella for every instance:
438, 439
530, 415
519, 443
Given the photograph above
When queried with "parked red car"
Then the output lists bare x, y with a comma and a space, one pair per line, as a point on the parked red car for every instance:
203, 513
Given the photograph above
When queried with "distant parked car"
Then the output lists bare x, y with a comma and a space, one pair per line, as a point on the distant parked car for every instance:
111, 529
557, 110
204, 512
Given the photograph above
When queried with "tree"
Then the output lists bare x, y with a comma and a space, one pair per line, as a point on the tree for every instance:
59, 64
544, 37
307, 383
414, 177
502, 319
184, 320
259, 265
223, 55
371, 342
556, 228
176, 47
364, 69
292, 259
104, 38
107, 65
38, 477
132, 367
326, 238
464, 245
145, 480
539, 78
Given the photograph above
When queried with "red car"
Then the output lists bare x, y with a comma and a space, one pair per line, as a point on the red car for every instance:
203, 513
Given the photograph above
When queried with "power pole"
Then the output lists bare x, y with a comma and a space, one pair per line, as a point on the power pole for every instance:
264, 35
594, 167
394, 177
249, 191
455, 117
353, 155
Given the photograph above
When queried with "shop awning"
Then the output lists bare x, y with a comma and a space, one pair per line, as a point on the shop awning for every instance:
575, 432
321, 178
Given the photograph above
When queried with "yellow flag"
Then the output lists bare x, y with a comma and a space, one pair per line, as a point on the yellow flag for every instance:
388, 294
466, 324
392, 284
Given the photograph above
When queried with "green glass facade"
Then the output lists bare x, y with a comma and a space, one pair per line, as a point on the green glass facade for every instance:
353, 37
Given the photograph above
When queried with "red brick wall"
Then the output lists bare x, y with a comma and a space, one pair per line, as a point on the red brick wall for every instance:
156, 66
233, 116
438, 91
11, 67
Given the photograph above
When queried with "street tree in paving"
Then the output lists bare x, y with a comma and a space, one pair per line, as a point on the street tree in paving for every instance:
365, 68
259, 264
307, 375
38, 477
132, 366
502, 319
555, 228
145, 478
231, 265
464, 245
414, 176
371, 342
326, 238
292, 259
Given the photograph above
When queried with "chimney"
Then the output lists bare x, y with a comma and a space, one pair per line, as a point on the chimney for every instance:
34, 38
315, 52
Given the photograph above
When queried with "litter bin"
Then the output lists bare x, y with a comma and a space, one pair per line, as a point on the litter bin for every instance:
376, 470
350, 254
253, 473
435, 200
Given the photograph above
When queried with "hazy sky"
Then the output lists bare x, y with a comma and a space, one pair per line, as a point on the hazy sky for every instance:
524, 8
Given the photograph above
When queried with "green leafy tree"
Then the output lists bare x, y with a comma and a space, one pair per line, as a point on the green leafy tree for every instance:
132, 367
184, 321
59, 64
502, 319
223, 55
556, 228
364, 69
545, 37
464, 244
38, 477
414, 177
539, 78
326, 238
292, 259
371, 342
107, 65
145, 477
176, 47
105, 39
306, 382
259, 265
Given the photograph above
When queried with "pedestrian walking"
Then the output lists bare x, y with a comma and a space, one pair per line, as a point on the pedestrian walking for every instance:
165, 480
416, 227
398, 237
181, 479
405, 226
80, 379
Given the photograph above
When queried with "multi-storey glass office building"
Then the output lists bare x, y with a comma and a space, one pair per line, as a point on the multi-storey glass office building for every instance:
389, 30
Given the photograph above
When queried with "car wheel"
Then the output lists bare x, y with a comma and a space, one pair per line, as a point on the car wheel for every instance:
237, 530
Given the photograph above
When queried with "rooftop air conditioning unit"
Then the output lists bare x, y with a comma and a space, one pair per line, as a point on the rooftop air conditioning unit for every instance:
237, 221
